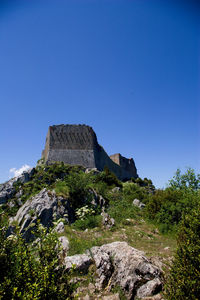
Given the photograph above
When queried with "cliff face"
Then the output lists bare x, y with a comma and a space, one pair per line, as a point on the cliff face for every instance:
77, 145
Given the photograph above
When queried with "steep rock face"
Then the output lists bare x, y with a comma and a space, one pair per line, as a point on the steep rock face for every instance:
78, 145
46, 207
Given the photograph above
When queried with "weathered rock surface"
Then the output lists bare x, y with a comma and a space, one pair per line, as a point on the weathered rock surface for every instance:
46, 207
149, 288
122, 265
7, 189
64, 245
107, 221
138, 203
81, 262
60, 227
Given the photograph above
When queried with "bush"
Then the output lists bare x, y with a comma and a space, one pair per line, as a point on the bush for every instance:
132, 191
89, 222
61, 189
184, 279
109, 178
29, 272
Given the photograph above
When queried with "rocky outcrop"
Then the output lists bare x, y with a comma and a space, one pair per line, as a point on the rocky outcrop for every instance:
46, 207
78, 145
118, 264
8, 189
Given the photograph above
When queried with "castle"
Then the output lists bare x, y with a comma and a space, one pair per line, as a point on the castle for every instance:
78, 145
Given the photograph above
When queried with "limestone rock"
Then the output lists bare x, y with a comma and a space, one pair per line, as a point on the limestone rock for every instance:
81, 262
46, 207
119, 264
150, 288
107, 221
116, 189
97, 199
60, 227
65, 246
7, 189
138, 203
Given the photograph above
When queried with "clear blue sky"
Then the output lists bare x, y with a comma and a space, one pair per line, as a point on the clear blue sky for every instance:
129, 69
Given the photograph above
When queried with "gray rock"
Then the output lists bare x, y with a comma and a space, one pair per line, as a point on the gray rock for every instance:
7, 189
65, 246
94, 171
138, 203
97, 200
150, 288
120, 264
81, 262
107, 221
60, 227
116, 189
46, 207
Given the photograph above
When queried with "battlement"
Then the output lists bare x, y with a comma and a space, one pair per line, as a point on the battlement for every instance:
78, 145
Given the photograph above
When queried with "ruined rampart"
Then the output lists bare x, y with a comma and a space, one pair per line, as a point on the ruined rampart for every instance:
77, 145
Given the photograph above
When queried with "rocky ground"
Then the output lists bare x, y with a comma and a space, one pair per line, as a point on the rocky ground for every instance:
110, 261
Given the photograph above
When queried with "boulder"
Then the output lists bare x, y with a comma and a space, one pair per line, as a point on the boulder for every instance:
45, 207
120, 264
138, 203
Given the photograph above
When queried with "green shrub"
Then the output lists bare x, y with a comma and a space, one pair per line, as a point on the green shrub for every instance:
32, 272
109, 178
89, 222
132, 191
184, 279
61, 189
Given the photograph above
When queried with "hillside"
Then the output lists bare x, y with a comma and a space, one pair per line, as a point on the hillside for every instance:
118, 238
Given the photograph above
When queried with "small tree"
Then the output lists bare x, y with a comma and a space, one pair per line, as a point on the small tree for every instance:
184, 278
188, 180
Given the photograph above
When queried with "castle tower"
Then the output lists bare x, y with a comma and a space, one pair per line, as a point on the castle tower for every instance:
77, 145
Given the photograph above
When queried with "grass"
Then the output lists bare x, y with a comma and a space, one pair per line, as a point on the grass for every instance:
137, 233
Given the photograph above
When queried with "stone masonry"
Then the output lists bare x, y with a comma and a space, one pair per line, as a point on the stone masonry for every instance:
78, 145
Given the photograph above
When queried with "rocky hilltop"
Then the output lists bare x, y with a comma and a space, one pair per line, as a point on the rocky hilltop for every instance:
78, 145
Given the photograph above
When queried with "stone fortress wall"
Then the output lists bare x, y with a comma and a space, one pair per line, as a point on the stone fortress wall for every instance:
78, 145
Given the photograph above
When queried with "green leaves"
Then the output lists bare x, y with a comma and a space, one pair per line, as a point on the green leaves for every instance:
183, 282
189, 180
32, 272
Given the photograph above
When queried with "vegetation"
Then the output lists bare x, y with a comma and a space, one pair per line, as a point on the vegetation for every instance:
32, 272
183, 282
168, 210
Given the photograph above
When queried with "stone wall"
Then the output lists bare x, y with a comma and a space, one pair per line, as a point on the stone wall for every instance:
77, 145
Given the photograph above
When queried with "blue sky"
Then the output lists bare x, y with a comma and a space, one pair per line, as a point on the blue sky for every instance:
129, 69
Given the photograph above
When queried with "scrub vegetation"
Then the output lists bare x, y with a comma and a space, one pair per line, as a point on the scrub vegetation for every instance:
29, 272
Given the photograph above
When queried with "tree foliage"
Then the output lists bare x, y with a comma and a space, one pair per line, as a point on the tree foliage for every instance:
32, 272
184, 279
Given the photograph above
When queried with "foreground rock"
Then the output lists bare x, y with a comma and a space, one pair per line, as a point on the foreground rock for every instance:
8, 189
46, 207
118, 264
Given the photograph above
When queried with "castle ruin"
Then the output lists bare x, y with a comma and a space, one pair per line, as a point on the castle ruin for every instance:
78, 145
